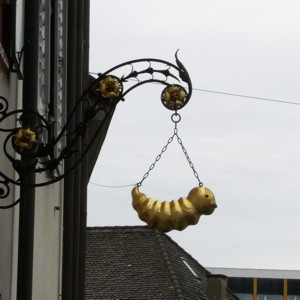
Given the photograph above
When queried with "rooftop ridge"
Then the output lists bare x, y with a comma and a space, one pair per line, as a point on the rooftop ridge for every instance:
145, 227
147, 264
169, 265
257, 273
114, 227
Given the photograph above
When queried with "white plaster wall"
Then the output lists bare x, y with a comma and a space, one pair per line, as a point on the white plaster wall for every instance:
5, 215
9, 90
47, 242
49, 199
47, 254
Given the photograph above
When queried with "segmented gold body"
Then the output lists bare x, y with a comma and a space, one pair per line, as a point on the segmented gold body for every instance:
176, 214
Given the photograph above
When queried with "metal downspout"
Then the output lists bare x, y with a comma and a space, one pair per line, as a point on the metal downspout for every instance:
75, 192
68, 221
85, 176
27, 207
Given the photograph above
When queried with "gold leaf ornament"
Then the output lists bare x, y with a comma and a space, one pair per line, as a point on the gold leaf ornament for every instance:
176, 214
110, 87
25, 139
173, 97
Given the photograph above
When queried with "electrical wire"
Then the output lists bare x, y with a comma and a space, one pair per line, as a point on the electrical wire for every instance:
245, 96
206, 91
113, 186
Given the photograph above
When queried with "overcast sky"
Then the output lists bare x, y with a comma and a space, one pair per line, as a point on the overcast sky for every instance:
247, 151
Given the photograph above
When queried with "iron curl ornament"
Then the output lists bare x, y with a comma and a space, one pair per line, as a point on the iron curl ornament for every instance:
32, 147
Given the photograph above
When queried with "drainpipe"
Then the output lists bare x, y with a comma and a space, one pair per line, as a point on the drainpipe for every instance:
68, 290
27, 207
216, 287
85, 18
75, 184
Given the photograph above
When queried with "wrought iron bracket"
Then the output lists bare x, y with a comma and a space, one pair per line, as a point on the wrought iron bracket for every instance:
16, 60
31, 146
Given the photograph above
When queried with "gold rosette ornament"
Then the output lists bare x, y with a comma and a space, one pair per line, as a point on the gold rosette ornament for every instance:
110, 87
25, 140
176, 214
173, 97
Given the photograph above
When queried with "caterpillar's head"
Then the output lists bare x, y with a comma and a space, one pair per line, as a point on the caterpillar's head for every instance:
203, 200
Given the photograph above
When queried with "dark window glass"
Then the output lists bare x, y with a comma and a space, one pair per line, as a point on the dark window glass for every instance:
240, 285
5, 21
294, 286
269, 286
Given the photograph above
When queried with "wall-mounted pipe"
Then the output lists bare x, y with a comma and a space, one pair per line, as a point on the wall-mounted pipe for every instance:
30, 96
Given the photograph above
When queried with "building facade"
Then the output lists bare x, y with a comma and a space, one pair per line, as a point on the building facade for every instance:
252, 284
44, 48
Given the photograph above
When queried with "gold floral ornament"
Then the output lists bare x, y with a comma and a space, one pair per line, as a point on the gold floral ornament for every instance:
25, 139
173, 97
110, 87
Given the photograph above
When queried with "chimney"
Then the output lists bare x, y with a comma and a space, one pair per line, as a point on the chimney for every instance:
216, 286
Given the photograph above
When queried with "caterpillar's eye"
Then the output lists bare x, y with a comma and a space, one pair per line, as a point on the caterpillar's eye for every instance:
206, 196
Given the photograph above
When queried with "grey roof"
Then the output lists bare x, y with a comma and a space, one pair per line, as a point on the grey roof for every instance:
138, 263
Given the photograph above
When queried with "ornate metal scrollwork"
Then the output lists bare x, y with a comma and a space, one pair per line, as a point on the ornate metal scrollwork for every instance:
30, 147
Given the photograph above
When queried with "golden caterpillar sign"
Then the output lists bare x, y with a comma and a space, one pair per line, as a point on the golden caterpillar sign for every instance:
176, 214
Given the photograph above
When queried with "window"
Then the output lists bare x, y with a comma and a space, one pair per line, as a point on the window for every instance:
244, 296
241, 285
4, 18
190, 268
5, 15
294, 288
270, 297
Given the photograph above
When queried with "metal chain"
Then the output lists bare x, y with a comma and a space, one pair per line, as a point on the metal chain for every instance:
176, 119
156, 159
188, 159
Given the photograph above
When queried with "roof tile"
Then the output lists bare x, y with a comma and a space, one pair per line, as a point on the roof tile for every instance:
138, 263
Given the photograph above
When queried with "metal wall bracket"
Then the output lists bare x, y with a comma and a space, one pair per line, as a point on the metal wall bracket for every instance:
30, 146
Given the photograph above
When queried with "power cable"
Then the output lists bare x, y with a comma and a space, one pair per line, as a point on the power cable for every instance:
113, 186
246, 96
